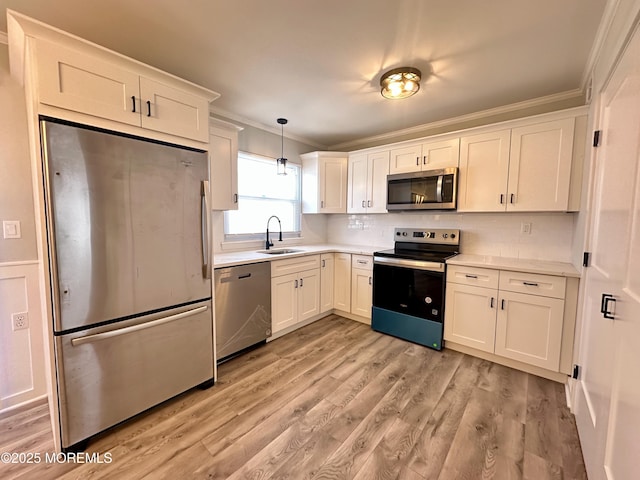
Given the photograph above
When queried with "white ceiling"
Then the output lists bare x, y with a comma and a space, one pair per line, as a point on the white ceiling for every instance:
318, 63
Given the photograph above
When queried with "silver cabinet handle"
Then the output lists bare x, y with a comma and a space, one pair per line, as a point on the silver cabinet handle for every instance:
206, 233
417, 160
321, 203
296, 284
369, 203
424, 160
301, 282
471, 276
323, 263
362, 262
135, 328
235, 198
363, 205
531, 284
370, 280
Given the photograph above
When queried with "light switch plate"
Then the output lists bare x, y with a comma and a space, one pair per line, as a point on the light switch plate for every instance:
11, 229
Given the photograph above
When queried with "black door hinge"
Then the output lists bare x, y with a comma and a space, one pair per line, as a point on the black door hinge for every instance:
596, 138
576, 371
586, 259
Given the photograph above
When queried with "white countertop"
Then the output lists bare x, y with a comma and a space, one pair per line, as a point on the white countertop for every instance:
252, 256
516, 264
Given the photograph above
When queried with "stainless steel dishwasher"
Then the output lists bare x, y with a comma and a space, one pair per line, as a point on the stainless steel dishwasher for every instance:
243, 308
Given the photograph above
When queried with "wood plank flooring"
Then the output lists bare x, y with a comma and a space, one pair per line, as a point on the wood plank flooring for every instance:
333, 400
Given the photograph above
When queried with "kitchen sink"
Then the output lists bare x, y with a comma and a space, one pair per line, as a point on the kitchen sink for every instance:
279, 251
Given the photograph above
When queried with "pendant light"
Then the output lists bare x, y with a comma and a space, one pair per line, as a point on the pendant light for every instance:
281, 163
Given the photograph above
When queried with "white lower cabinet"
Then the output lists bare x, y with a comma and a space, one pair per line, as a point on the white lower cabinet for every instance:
342, 282
362, 285
327, 267
513, 314
529, 329
295, 291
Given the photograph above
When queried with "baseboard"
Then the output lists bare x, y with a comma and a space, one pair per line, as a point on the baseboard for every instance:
22, 407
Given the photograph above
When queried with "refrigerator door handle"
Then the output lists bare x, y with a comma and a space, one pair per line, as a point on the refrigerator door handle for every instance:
206, 257
134, 328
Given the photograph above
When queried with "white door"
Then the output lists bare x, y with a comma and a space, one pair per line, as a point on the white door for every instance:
441, 154
342, 282
326, 281
470, 316
333, 185
608, 393
284, 301
169, 110
309, 294
357, 189
378, 166
529, 329
405, 159
540, 166
484, 169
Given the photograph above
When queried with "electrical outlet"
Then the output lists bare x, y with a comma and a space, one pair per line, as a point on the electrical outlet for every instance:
525, 228
20, 321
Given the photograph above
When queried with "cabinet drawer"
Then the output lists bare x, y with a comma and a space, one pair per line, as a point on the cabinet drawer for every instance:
532, 283
481, 277
293, 265
363, 262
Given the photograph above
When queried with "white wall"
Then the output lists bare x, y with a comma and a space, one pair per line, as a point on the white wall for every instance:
551, 234
22, 374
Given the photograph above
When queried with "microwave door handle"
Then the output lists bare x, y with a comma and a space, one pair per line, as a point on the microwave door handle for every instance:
439, 189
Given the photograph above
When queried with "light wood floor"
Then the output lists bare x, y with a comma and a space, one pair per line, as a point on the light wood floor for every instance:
334, 400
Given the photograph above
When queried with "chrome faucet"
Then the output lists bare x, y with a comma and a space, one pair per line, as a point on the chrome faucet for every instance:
268, 243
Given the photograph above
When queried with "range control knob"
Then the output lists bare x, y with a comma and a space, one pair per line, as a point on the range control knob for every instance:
453, 235
445, 235
398, 234
404, 234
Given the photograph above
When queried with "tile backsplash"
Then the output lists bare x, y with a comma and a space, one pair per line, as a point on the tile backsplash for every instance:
499, 234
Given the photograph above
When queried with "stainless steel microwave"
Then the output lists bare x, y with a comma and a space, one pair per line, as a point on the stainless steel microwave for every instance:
426, 190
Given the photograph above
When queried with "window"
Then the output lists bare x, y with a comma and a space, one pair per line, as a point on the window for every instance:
262, 193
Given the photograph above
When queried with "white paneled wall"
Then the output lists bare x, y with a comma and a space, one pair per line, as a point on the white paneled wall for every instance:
496, 234
22, 374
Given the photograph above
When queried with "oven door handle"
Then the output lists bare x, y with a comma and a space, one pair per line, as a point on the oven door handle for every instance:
415, 264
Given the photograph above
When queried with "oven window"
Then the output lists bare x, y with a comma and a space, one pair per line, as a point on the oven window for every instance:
405, 290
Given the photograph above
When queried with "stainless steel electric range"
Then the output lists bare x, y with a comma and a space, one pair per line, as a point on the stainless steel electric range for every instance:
409, 283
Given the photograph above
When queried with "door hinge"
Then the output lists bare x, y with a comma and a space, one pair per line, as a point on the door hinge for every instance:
586, 259
576, 372
596, 138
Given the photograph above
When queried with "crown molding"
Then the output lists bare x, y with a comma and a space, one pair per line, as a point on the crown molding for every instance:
384, 137
261, 126
3, 38
601, 34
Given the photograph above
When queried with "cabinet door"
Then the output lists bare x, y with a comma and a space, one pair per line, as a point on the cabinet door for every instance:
342, 282
378, 169
223, 148
284, 301
484, 168
441, 154
361, 292
529, 329
405, 159
309, 294
333, 185
357, 178
170, 110
83, 83
540, 166
470, 316
326, 281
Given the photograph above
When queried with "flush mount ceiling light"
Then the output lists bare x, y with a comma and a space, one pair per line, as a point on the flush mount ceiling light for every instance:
281, 163
400, 82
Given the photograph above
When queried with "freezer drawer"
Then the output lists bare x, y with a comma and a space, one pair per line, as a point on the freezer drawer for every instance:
111, 373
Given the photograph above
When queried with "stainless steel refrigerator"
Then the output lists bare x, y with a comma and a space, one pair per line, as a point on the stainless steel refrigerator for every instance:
128, 238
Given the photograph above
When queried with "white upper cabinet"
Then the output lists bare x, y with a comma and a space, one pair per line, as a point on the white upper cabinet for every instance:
74, 75
426, 156
367, 182
223, 150
540, 166
521, 169
324, 182
484, 170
